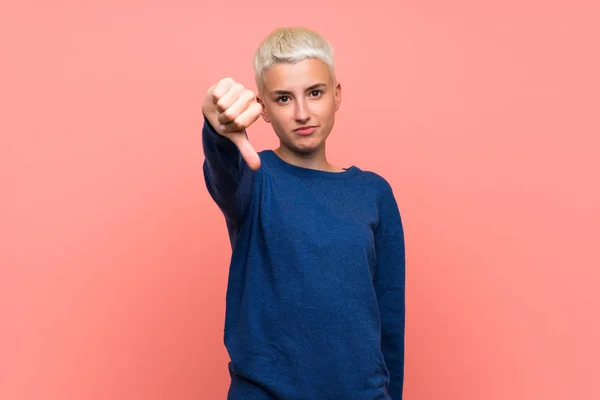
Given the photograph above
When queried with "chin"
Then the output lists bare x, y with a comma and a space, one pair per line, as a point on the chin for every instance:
304, 150
306, 147
302, 145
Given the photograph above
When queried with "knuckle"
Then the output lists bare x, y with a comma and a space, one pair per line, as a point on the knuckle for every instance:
221, 87
256, 108
229, 115
239, 123
211, 89
249, 95
221, 104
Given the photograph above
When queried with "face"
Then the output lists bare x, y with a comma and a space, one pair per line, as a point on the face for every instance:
300, 101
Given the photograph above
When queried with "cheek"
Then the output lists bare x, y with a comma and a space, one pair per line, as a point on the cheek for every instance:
324, 106
282, 116
324, 112
278, 124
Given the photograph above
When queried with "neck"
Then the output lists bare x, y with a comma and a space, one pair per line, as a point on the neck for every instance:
313, 160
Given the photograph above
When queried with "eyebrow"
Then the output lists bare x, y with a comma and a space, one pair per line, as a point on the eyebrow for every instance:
308, 89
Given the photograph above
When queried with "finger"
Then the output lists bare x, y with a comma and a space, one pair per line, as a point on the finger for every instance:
248, 152
229, 97
234, 110
221, 88
244, 120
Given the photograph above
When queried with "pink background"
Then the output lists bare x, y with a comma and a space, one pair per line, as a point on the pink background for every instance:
484, 117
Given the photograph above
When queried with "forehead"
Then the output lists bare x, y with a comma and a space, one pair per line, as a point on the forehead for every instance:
298, 75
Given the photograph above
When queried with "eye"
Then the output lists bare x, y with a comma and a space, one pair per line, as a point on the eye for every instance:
282, 99
316, 92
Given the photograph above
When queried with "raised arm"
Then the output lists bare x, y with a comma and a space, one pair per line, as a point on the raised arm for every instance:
230, 160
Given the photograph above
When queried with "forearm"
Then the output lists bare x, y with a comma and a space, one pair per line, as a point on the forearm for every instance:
224, 170
392, 306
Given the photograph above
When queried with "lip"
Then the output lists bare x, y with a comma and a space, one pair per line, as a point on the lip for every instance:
305, 130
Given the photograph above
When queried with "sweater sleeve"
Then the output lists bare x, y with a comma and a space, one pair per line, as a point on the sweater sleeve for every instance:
227, 177
390, 288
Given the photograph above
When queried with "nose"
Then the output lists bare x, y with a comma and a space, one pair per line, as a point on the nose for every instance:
301, 114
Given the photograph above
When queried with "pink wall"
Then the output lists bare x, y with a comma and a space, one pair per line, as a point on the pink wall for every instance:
113, 259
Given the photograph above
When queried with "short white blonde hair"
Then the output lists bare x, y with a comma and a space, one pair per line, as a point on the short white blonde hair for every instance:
291, 45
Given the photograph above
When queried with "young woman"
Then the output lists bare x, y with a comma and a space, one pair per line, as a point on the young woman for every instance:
316, 291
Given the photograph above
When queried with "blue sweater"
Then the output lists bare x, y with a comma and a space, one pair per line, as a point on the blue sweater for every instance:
315, 300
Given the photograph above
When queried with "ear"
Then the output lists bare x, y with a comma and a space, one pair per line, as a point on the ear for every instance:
264, 114
338, 96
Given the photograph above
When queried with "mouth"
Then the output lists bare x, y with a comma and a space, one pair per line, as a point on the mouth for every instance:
305, 130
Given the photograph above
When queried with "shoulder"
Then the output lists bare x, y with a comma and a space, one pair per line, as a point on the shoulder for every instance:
376, 182
388, 210
383, 193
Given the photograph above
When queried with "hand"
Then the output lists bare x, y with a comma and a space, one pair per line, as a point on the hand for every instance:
231, 108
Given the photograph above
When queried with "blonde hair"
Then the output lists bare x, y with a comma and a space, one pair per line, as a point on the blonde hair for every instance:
291, 45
